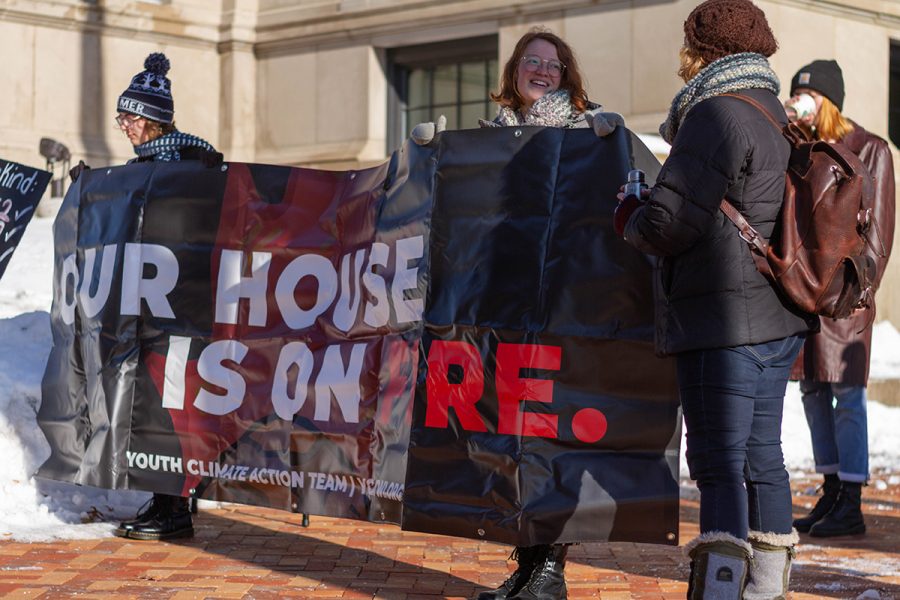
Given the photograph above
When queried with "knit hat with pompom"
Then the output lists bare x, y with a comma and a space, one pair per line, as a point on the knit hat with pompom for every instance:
150, 92
717, 28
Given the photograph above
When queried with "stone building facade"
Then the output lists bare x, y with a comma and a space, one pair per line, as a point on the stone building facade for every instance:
339, 83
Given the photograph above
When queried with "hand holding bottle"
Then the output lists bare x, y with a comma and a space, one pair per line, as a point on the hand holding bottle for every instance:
630, 198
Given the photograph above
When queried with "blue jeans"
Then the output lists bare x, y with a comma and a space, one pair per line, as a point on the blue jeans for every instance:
839, 429
733, 400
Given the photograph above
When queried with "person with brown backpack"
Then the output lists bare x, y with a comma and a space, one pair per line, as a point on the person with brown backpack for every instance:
833, 367
733, 333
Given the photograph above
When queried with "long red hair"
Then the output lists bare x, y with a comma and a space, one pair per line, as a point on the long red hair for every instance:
570, 80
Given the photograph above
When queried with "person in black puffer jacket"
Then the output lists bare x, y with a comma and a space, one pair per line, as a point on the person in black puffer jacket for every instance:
146, 116
734, 337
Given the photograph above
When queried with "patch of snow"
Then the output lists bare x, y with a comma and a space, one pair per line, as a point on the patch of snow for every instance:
885, 365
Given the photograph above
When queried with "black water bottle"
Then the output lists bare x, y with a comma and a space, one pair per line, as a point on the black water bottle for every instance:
635, 184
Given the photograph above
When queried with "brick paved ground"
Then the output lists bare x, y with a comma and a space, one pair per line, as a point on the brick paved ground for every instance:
244, 552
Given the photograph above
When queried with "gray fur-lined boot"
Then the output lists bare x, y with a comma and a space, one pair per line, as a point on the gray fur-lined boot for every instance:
770, 567
719, 565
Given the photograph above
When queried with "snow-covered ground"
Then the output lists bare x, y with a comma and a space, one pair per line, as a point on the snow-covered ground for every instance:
33, 510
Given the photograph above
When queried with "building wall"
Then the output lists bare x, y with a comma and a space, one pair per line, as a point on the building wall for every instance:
304, 82
66, 62
627, 51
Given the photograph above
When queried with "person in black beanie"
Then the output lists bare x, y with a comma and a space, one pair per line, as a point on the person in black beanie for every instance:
833, 368
146, 115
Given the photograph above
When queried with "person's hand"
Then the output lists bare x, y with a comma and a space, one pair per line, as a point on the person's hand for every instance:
211, 158
423, 133
76, 171
626, 207
604, 123
801, 108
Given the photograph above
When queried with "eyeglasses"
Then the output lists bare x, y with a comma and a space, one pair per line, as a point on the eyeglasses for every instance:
126, 121
533, 63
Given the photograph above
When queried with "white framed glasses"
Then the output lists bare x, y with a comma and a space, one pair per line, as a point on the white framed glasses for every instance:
532, 63
124, 121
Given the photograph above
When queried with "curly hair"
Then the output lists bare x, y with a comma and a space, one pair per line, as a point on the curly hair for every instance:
158, 129
570, 80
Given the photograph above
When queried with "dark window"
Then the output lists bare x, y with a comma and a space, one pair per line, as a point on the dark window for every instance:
453, 79
894, 94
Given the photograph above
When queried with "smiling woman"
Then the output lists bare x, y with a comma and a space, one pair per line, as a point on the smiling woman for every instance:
542, 85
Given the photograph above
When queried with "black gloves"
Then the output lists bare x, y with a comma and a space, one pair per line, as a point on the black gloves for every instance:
211, 158
75, 172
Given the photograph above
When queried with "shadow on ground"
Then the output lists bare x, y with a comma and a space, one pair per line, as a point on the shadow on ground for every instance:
285, 549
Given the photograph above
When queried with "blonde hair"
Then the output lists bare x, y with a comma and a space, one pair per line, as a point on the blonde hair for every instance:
691, 63
831, 125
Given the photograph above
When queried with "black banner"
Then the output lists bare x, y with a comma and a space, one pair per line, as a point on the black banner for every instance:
21, 189
255, 334
541, 414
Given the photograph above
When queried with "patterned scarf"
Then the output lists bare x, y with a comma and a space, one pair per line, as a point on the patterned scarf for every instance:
167, 148
551, 110
727, 74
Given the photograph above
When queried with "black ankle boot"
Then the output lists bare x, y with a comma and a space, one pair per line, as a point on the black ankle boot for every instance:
830, 490
846, 517
527, 559
146, 512
547, 581
171, 518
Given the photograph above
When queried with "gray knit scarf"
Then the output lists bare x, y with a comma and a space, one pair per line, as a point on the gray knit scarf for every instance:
167, 147
746, 70
550, 110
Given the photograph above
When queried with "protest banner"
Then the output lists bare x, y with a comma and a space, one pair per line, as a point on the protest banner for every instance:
255, 334
21, 188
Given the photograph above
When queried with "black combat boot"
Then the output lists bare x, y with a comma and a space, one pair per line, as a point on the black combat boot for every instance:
171, 518
527, 559
846, 517
830, 490
148, 511
547, 581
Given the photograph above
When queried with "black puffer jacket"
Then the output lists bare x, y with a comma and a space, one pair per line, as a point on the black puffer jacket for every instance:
710, 294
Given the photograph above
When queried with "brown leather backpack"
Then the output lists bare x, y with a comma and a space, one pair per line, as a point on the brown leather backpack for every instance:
817, 253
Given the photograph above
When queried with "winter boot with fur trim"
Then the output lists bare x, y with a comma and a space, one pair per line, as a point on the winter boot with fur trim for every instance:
830, 490
770, 566
547, 581
719, 564
527, 558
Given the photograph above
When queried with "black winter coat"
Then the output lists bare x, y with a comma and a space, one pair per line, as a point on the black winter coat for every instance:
710, 294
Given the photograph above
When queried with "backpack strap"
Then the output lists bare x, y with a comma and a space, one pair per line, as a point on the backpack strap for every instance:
758, 107
759, 247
